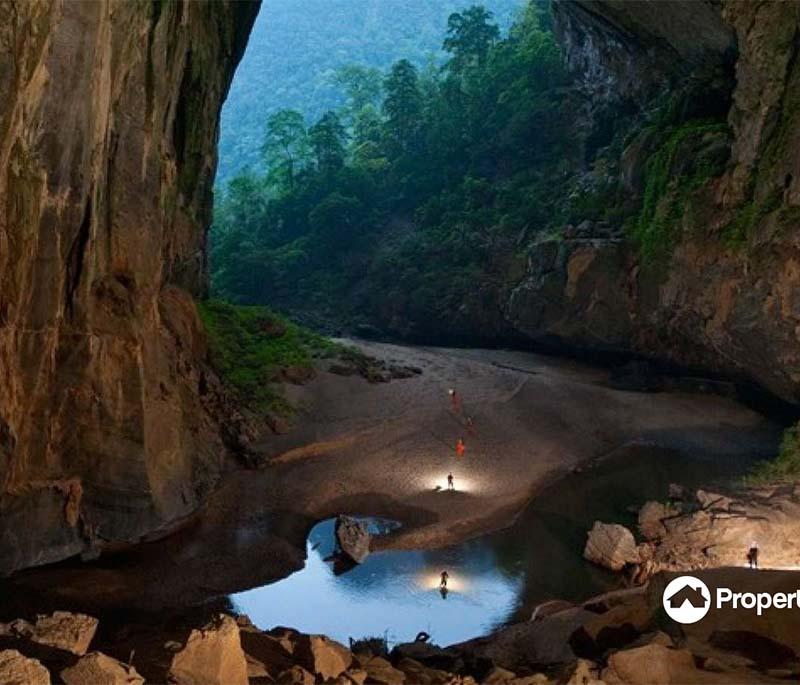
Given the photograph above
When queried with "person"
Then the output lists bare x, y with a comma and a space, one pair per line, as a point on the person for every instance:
450, 485
470, 425
455, 400
444, 578
460, 447
752, 554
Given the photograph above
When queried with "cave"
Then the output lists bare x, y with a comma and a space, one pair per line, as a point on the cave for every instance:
394, 321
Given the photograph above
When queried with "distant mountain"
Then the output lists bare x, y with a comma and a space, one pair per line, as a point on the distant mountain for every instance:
296, 45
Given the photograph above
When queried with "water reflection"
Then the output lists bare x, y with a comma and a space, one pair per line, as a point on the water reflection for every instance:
393, 593
493, 579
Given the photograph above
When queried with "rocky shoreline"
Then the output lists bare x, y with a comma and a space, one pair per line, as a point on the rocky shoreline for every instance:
622, 636
618, 637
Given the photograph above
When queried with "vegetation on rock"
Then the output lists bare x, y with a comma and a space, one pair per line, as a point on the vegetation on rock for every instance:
251, 347
786, 466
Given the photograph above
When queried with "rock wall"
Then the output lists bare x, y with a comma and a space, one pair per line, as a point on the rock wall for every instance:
733, 309
110, 427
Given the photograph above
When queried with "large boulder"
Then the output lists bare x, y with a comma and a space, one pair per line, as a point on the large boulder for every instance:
652, 664
98, 669
211, 656
16, 669
611, 545
617, 627
381, 672
353, 538
322, 656
62, 630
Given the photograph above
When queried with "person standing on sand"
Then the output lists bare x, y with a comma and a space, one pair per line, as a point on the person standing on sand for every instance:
450, 484
752, 555
455, 400
460, 447
470, 423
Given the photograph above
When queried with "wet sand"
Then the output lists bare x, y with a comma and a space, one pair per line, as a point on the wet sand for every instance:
381, 449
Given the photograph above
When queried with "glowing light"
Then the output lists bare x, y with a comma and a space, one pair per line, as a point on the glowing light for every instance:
431, 580
460, 483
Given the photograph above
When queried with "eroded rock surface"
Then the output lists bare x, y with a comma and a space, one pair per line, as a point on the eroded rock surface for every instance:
111, 427
710, 304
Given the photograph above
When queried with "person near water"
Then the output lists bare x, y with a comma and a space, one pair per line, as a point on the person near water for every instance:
445, 576
470, 423
450, 485
455, 400
752, 554
460, 447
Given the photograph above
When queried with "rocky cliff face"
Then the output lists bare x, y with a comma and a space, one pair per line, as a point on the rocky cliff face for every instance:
110, 427
725, 295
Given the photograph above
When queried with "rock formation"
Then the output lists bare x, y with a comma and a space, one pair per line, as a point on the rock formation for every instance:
353, 538
712, 304
111, 427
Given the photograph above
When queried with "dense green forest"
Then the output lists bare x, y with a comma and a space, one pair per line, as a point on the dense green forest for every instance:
297, 45
414, 198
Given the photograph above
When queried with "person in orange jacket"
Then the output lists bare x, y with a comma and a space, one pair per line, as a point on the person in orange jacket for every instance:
460, 448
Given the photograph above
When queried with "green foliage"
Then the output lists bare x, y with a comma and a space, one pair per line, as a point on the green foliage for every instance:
296, 52
786, 466
412, 204
470, 36
249, 346
674, 172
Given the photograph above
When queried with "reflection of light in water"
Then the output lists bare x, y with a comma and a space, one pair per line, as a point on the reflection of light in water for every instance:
461, 483
431, 580
396, 592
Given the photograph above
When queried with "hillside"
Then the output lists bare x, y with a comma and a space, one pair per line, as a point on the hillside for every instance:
292, 54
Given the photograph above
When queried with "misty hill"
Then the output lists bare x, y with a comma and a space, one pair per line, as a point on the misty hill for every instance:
296, 44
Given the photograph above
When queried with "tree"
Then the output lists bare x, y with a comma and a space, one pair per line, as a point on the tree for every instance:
470, 36
361, 84
402, 105
327, 138
285, 148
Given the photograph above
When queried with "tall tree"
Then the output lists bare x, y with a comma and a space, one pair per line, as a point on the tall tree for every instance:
470, 36
285, 147
402, 105
361, 85
328, 138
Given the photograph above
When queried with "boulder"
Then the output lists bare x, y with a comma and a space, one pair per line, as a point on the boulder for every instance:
322, 656
272, 653
99, 669
651, 517
498, 676
296, 675
16, 669
615, 628
357, 675
381, 672
419, 674
430, 655
611, 545
652, 665
211, 656
713, 500
353, 538
62, 630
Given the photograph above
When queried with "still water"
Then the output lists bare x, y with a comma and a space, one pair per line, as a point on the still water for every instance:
494, 579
